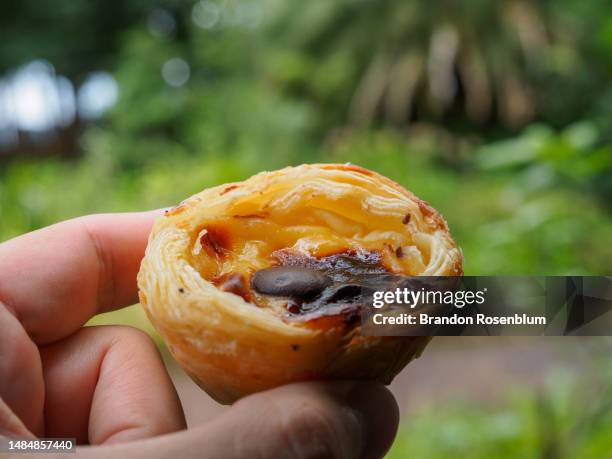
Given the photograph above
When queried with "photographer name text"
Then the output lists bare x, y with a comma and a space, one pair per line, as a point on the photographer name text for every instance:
456, 319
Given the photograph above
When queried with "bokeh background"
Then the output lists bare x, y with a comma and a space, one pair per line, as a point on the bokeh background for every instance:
497, 113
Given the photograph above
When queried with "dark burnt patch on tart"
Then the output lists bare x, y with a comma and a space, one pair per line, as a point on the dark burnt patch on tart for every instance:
293, 281
314, 288
339, 266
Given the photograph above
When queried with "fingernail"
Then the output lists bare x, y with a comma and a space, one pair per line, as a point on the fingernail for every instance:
376, 411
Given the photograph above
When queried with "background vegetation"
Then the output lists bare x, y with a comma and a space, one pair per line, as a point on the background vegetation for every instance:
497, 113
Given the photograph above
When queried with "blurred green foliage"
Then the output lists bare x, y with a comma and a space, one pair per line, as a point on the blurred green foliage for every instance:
471, 64
75, 36
568, 417
504, 223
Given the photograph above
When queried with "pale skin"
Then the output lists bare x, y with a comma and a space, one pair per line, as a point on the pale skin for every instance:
108, 387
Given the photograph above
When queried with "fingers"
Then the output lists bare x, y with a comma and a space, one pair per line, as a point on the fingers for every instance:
114, 383
341, 420
21, 380
336, 420
299, 421
11, 425
56, 278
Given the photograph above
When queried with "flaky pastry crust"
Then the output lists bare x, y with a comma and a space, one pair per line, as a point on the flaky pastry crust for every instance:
230, 342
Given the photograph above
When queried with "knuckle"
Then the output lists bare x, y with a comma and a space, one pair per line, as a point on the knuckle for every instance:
313, 431
20, 359
106, 286
131, 336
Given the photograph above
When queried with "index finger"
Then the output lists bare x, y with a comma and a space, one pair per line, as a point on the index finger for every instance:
56, 278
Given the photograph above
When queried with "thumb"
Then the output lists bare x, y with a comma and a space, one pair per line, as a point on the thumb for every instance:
336, 420
309, 420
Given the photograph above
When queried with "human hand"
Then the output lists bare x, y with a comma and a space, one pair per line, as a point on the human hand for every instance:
107, 386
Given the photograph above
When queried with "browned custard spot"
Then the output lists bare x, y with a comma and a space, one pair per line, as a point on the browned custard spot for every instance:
257, 215
176, 210
234, 283
215, 241
229, 188
350, 167
428, 212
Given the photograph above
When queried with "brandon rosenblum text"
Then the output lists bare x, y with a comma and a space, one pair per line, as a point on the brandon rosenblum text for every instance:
456, 319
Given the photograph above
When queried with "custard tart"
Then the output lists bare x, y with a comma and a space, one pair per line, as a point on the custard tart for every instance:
257, 283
